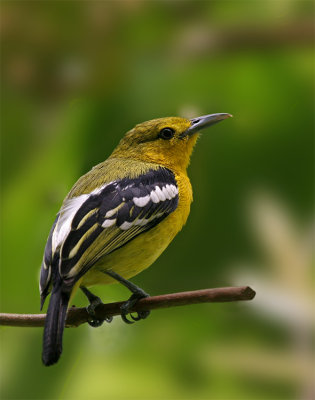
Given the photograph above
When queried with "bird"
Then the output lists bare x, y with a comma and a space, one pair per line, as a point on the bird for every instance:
117, 220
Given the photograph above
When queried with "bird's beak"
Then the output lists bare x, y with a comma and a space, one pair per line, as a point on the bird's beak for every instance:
203, 122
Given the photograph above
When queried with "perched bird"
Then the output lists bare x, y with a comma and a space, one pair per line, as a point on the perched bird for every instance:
118, 218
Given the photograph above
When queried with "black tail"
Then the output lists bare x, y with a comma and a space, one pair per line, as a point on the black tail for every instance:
54, 325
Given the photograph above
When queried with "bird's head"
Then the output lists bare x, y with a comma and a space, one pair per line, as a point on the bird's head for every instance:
165, 141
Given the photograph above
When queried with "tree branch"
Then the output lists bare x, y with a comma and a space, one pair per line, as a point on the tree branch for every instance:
77, 316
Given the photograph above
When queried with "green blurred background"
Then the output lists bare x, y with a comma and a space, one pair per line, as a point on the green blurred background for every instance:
75, 77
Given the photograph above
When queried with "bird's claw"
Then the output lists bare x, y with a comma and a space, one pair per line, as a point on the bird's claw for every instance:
95, 323
92, 321
126, 307
140, 315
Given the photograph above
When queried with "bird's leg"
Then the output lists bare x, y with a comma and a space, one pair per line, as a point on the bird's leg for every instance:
94, 302
137, 294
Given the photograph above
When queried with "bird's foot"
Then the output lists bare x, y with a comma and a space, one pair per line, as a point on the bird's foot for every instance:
137, 294
95, 301
92, 321
128, 305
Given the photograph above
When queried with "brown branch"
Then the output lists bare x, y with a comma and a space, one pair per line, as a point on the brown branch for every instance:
77, 316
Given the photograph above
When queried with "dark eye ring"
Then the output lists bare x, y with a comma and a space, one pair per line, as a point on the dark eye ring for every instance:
166, 133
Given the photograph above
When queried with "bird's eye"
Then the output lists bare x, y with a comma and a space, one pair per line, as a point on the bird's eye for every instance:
166, 133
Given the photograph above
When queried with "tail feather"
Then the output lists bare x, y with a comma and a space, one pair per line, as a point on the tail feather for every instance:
54, 325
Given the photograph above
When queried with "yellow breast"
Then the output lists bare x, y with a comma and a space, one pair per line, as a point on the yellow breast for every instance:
142, 251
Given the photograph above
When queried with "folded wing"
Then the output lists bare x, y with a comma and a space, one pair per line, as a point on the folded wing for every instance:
93, 225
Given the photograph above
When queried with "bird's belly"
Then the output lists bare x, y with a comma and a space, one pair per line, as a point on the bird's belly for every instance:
139, 253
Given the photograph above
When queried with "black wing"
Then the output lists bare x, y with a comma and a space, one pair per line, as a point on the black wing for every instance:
109, 217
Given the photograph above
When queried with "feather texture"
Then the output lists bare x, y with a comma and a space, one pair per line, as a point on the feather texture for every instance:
91, 226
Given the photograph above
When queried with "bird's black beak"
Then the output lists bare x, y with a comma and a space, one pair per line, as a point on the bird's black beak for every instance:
203, 122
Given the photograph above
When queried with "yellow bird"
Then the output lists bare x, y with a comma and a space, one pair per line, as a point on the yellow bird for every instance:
118, 218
